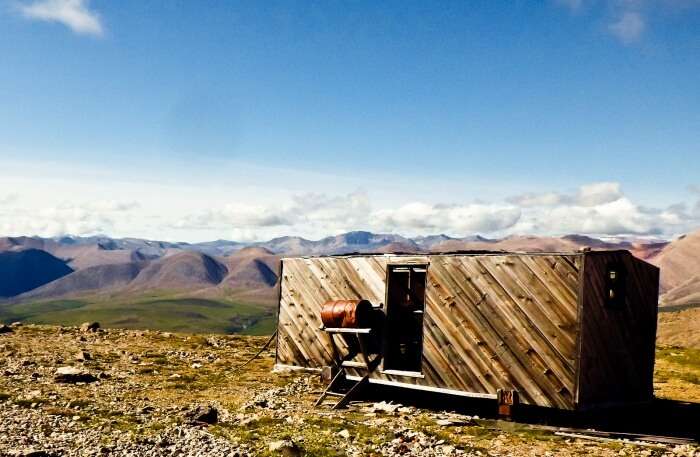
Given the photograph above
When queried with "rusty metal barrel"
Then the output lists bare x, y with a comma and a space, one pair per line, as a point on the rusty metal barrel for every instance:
346, 313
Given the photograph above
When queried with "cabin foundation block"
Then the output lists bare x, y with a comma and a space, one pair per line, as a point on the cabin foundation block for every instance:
507, 402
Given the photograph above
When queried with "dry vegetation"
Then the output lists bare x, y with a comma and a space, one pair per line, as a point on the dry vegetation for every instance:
147, 381
680, 328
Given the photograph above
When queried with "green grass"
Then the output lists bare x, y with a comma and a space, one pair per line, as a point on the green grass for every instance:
165, 311
25, 311
265, 326
687, 357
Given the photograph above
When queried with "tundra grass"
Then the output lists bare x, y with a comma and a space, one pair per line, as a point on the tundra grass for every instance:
155, 311
677, 373
169, 374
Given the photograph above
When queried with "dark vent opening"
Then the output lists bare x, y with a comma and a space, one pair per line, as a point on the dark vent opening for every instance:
615, 285
403, 347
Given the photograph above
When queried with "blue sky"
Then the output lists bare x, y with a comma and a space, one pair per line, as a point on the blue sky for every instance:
186, 120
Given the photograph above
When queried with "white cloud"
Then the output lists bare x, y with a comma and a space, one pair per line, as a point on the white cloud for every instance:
592, 194
627, 20
618, 217
235, 215
598, 193
312, 211
324, 215
88, 218
599, 209
74, 14
595, 208
696, 208
423, 218
529, 200
7, 199
629, 27
336, 213
113, 205
201, 211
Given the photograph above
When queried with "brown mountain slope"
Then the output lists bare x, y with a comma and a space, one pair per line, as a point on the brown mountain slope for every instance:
647, 251
679, 261
21, 271
184, 270
400, 246
97, 278
514, 243
16, 243
252, 276
251, 268
91, 255
685, 295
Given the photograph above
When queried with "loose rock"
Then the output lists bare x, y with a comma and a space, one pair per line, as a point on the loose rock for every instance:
286, 448
34, 453
89, 327
83, 356
5, 329
203, 414
71, 375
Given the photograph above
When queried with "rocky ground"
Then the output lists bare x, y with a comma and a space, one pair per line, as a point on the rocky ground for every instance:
93, 392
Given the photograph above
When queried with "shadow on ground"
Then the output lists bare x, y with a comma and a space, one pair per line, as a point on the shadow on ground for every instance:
661, 417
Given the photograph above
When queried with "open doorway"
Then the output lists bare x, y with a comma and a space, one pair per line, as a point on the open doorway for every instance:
403, 343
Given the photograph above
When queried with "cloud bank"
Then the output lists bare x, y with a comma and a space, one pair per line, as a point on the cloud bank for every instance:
74, 14
90, 218
597, 209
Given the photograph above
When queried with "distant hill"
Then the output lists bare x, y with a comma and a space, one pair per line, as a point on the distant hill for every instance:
429, 242
22, 271
181, 271
66, 268
686, 294
251, 268
87, 256
16, 243
527, 243
358, 241
679, 260
405, 247
97, 278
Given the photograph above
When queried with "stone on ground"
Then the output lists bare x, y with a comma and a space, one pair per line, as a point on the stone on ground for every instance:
89, 326
286, 448
83, 356
203, 414
72, 375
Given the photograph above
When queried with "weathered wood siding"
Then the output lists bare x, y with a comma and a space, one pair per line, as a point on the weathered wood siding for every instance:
617, 344
491, 321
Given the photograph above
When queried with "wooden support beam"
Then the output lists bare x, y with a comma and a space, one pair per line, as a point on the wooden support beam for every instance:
354, 390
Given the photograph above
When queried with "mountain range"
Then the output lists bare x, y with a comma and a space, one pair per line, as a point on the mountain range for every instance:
36, 273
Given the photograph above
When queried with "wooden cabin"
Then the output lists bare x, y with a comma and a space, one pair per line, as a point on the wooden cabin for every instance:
572, 331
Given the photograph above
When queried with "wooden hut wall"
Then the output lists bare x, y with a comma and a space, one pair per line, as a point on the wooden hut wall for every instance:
491, 321
617, 343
